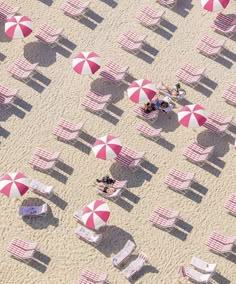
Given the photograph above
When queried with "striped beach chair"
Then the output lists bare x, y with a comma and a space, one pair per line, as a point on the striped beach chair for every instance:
177, 185
167, 3
65, 135
71, 126
20, 74
162, 222
167, 213
129, 45
139, 111
224, 24
94, 276
88, 236
72, 11
195, 276
181, 175
7, 11
25, 64
126, 151
78, 215
6, 92
230, 207
221, 238
230, 94
25, 245
128, 162
20, 253
188, 78
98, 97
195, 157
144, 17
6, 101
113, 77
116, 68
216, 128
42, 36
196, 147
219, 248
209, 46
42, 165
134, 37
220, 119
149, 132
46, 155
98, 108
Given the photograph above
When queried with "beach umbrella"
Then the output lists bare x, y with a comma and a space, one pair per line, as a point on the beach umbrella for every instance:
18, 27
14, 184
95, 214
86, 63
192, 116
141, 91
214, 5
107, 147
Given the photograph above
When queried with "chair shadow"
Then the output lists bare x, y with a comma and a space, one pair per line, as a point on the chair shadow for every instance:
217, 162
58, 201
184, 225
110, 3
58, 176
124, 204
105, 87
4, 133
178, 234
47, 2
89, 139
145, 57
166, 144
67, 43
42, 79
229, 54
193, 196
203, 90
37, 265
150, 49
36, 52
63, 51
110, 118
23, 104
168, 25
135, 179
164, 33
223, 61
183, 7
88, 23
146, 269
218, 278
39, 222
147, 165
2, 57
3, 36
12, 110
209, 83
64, 167
36, 86
199, 188
85, 148
116, 110
131, 196
114, 239
94, 16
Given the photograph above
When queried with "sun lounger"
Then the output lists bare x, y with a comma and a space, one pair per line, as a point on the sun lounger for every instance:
176, 184
232, 198
225, 240
19, 253
116, 68
88, 236
147, 21
113, 77
78, 216
94, 277
149, 132
194, 275
202, 265
114, 197
224, 24
52, 31
6, 92
231, 207
25, 65
78, 3
134, 37
135, 266
168, 3
41, 188
25, 245
46, 155
7, 11
129, 45
196, 147
167, 213
181, 175
128, 162
216, 128
121, 257
6, 101
195, 157
125, 151
230, 94
72, 11
209, 46
218, 247
151, 13
120, 184
39, 164
70, 126
189, 68
152, 116
33, 211
19, 73
162, 222
220, 119
83, 280
94, 107
66, 135
51, 40
188, 78
97, 97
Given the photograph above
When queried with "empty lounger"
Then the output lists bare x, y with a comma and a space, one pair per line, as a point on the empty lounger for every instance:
176, 184
149, 132
167, 213
220, 119
41, 189
37, 163
72, 11
162, 222
195, 157
20, 253
19, 73
88, 236
189, 68
78, 216
145, 20
135, 266
116, 68
94, 106
181, 175
46, 155
128, 162
123, 254
219, 237
134, 37
129, 45
98, 97
7, 11
188, 78
70, 126
194, 275
6, 101
112, 76
218, 247
224, 24
126, 151
66, 135
6, 92
216, 128
196, 147
202, 265
209, 46
25, 245
168, 3
94, 277
46, 38
230, 207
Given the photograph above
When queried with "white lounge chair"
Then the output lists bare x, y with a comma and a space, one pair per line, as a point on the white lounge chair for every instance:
123, 254
202, 265
41, 188
88, 236
135, 266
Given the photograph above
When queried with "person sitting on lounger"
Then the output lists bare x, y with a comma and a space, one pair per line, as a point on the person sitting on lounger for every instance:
163, 105
106, 180
175, 92
149, 107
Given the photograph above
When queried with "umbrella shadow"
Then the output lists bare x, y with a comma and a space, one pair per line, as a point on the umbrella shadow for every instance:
39, 222
36, 52
3, 36
114, 239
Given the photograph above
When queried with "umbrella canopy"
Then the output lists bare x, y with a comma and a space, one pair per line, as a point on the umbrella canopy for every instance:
214, 5
107, 147
86, 63
141, 91
192, 116
14, 184
18, 27
95, 214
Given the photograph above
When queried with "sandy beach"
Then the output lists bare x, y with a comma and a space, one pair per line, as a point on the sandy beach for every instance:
57, 92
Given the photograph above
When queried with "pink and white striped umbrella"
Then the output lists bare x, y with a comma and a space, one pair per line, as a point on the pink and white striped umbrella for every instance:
14, 184
18, 27
86, 63
107, 147
141, 91
192, 116
96, 214
214, 5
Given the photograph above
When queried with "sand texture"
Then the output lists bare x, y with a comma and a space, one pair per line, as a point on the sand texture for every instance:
57, 93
